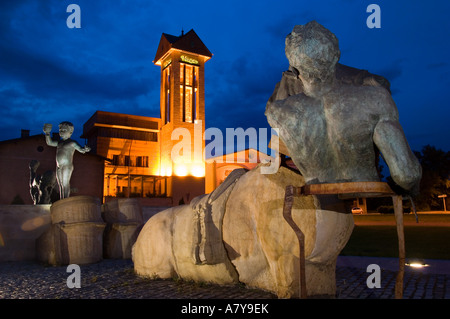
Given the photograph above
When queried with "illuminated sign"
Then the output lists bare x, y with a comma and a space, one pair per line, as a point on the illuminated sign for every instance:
187, 59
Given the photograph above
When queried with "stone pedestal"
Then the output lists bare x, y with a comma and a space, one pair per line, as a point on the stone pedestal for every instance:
76, 233
124, 221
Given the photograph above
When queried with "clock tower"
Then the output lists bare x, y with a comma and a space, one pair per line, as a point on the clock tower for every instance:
182, 102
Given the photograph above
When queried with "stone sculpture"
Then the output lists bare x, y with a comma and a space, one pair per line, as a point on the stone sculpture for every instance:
35, 190
233, 235
333, 120
65, 149
42, 187
333, 128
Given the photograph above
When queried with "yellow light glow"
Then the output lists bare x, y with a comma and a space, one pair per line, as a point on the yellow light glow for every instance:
416, 265
32, 224
166, 170
181, 170
198, 170
166, 63
188, 59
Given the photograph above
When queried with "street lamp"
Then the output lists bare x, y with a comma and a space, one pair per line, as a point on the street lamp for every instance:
443, 199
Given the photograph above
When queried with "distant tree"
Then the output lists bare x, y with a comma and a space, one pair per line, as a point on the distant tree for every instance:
435, 177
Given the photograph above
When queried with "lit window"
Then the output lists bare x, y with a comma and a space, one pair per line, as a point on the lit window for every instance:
144, 161
166, 89
188, 104
188, 91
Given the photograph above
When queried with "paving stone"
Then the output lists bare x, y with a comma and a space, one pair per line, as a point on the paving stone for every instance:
115, 279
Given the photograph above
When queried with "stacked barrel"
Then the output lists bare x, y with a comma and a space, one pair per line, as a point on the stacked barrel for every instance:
124, 220
75, 235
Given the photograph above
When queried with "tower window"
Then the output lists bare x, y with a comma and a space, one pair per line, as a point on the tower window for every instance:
188, 91
166, 90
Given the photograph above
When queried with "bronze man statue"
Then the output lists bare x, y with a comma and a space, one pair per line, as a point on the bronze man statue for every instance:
332, 128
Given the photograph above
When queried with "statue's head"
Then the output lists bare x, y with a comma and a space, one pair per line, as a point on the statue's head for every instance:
313, 50
65, 130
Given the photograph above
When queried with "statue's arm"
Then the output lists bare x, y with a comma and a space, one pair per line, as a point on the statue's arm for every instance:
49, 140
47, 129
80, 149
289, 85
403, 165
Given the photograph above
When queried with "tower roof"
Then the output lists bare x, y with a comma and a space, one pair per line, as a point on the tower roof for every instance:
189, 42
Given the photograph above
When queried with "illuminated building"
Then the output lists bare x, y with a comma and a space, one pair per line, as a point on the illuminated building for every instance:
182, 102
139, 148
219, 167
130, 143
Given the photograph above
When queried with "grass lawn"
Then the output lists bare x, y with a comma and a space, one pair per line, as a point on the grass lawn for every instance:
428, 242
425, 218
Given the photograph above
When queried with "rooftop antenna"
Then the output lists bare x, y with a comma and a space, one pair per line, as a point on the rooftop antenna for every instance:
182, 31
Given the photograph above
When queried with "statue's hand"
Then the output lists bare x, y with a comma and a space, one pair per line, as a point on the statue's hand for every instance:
401, 191
47, 128
87, 149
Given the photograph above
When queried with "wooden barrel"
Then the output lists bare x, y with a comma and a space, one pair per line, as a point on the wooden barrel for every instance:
119, 239
76, 233
76, 209
123, 210
82, 243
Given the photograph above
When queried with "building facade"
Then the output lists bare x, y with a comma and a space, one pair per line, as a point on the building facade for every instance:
131, 146
218, 168
156, 159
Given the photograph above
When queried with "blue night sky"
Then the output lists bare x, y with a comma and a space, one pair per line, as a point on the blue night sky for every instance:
50, 73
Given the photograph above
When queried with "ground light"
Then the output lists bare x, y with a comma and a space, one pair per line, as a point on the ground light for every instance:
418, 264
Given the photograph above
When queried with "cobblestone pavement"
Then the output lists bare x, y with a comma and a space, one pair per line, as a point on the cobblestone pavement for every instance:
115, 279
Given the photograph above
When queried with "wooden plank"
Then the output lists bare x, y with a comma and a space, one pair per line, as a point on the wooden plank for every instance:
350, 189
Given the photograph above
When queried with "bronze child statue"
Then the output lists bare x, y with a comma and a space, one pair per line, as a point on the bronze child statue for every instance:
65, 149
